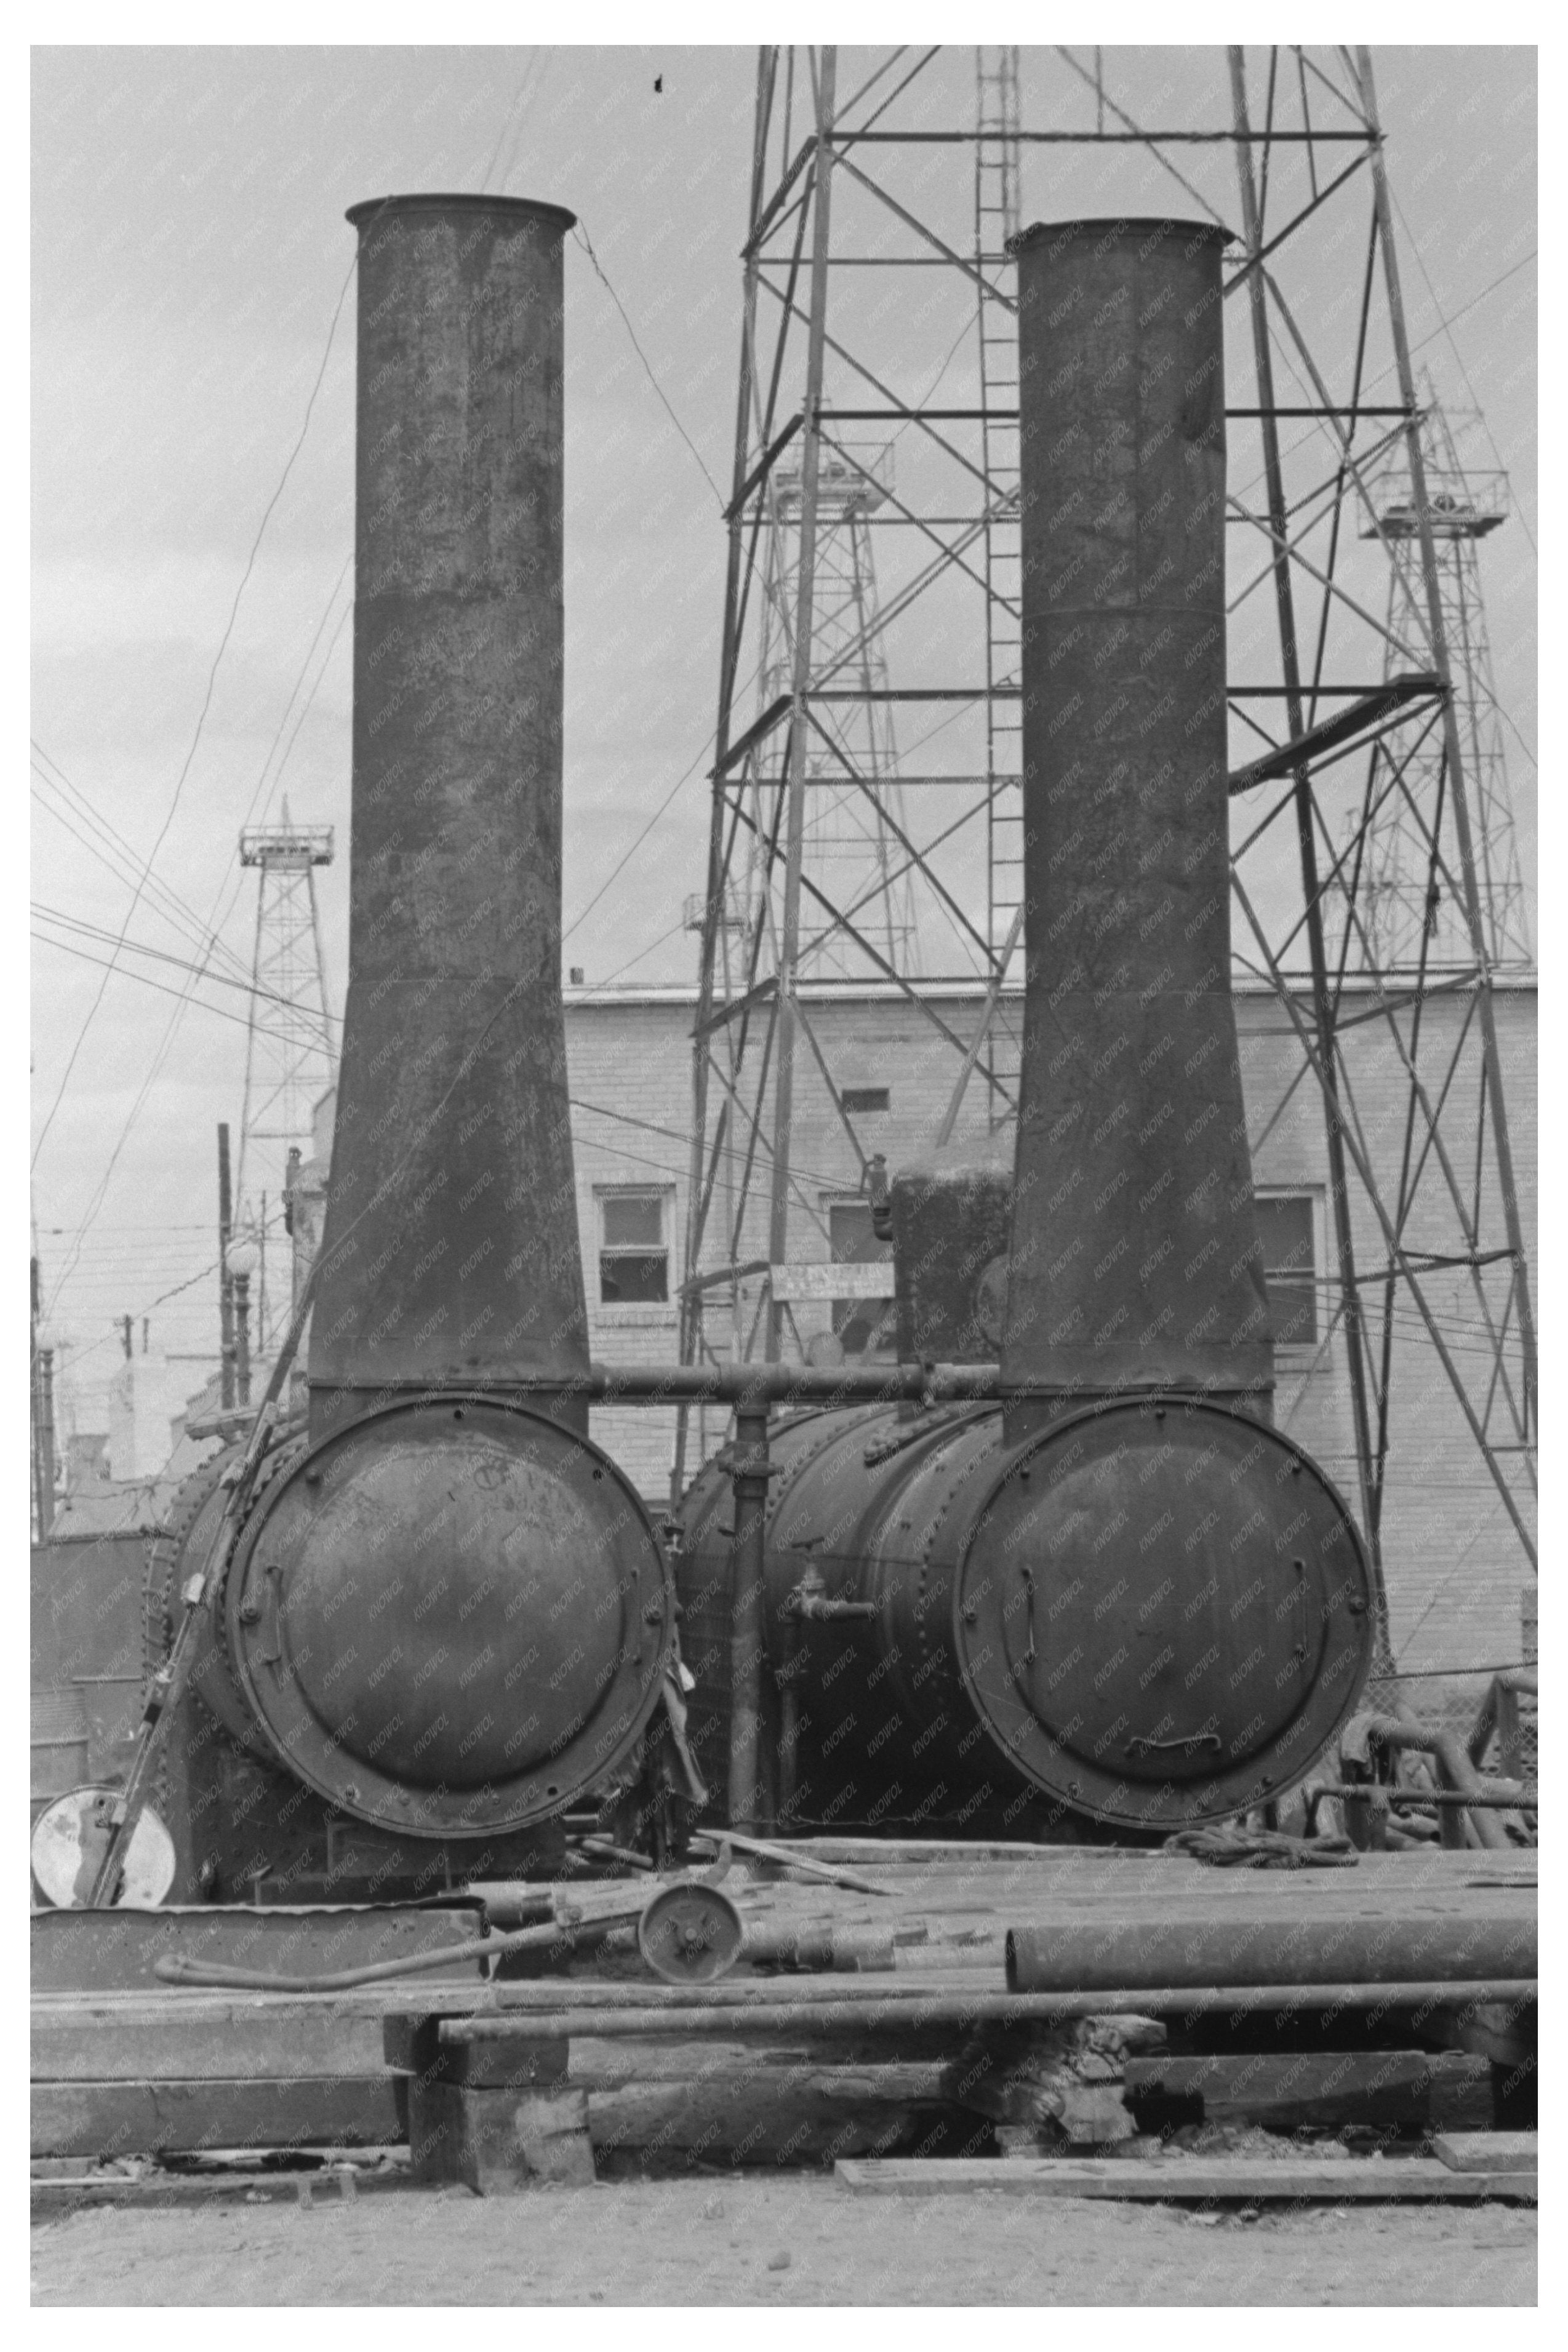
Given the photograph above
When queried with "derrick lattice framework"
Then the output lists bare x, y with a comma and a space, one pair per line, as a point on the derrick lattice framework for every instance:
878, 334
289, 1053
1412, 897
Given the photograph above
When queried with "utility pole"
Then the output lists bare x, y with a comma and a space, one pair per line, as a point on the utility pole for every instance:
242, 1339
43, 1403
225, 1290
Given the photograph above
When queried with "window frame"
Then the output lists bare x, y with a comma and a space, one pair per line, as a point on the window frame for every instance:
1312, 1194
843, 1311
664, 1195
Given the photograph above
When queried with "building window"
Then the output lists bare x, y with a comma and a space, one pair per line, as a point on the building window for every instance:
866, 1098
633, 1247
1286, 1221
862, 1325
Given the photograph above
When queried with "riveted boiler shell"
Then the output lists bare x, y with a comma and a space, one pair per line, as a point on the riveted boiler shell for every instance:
181, 1551
451, 1618
1164, 1611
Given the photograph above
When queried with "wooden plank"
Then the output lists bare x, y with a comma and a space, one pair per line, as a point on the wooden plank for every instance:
68, 2192
90, 2046
1369, 2181
770, 2114
1327, 2087
111, 2119
108, 1951
1487, 2151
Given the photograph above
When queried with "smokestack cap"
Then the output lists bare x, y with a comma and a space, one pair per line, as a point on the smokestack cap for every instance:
1115, 225
522, 206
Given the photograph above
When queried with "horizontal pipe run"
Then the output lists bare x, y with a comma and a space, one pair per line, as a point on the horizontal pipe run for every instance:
1448, 1752
181, 1969
878, 2013
1519, 1799
756, 1384
1075, 1955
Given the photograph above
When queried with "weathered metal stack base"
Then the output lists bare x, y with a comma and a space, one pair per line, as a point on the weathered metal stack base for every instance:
925, 2054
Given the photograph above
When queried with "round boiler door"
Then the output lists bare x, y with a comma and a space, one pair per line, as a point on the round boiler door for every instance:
450, 1616
1171, 1610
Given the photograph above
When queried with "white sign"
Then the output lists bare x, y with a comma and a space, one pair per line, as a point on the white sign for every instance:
822, 1282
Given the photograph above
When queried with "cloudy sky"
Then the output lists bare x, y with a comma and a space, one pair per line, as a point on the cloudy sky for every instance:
193, 370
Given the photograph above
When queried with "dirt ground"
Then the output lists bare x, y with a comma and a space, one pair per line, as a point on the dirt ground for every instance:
800, 2241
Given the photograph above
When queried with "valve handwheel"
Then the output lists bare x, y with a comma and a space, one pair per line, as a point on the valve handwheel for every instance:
690, 1934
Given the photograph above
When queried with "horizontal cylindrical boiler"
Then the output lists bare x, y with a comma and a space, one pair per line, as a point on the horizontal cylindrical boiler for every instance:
1121, 1598
1148, 1615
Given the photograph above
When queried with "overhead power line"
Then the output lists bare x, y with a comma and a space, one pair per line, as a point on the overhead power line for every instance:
580, 234
207, 703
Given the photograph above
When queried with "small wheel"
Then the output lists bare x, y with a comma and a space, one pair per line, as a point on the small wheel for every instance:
70, 1838
690, 1934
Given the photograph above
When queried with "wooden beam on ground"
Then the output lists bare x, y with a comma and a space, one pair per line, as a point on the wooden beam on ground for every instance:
1327, 2088
1186, 2179
152, 2118
1496, 2151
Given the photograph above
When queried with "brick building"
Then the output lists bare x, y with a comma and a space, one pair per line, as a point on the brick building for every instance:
1455, 1568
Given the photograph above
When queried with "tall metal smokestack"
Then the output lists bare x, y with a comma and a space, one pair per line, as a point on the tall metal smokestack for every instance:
450, 1615
1135, 1262
450, 1250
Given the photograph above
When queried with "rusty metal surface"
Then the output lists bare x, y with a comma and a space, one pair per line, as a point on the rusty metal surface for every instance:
1148, 1615
690, 1934
451, 1248
1122, 1599
450, 1617
1136, 1263
950, 1226
1184, 1947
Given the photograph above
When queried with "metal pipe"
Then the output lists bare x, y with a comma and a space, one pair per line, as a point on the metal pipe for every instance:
804, 624
874, 2011
562, 1935
1391, 1731
224, 1288
1513, 1798
740, 1385
748, 1805
1076, 1954
715, 909
1499, 1713
754, 1385
1323, 1003
242, 1341
46, 1442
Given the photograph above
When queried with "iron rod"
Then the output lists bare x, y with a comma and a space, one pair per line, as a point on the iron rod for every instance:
805, 624
747, 1567
876, 2011
1323, 1009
